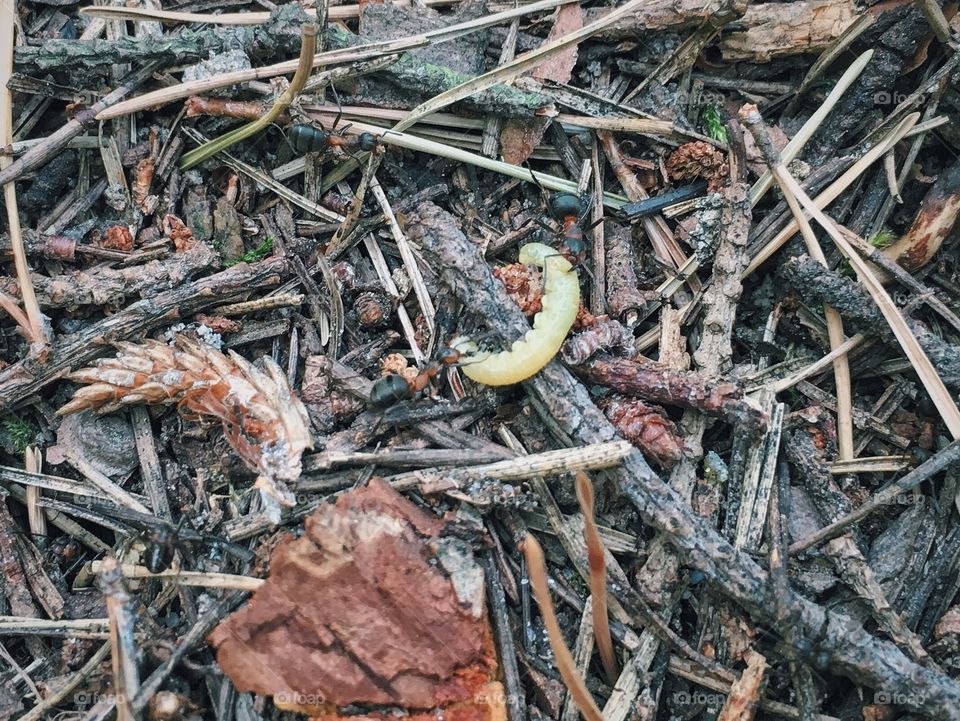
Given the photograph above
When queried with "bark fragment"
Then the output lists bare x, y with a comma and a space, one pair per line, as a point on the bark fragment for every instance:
379, 609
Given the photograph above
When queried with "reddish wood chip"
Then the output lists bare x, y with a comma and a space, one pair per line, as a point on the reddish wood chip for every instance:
369, 607
519, 137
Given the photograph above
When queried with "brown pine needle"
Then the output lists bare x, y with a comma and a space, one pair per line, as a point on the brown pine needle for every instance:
537, 569
598, 578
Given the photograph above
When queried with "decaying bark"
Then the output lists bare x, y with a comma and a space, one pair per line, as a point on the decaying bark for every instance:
106, 286
688, 389
932, 224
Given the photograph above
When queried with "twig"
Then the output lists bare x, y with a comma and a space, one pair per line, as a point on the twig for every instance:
841, 368
34, 326
921, 363
516, 67
938, 23
54, 143
123, 653
943, 459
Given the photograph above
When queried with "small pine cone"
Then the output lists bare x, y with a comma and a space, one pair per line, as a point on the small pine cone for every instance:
523, 285
262, 419
699, 160
647, 427
373, 309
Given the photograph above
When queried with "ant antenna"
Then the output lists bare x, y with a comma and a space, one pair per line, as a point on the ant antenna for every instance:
336, 120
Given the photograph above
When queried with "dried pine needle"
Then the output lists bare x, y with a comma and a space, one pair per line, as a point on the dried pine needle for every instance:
537, 569
598, 577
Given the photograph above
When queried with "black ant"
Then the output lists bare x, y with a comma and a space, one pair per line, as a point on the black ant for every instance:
311, 139
306, 138
161, 543
160, 537
393, 388
570, 210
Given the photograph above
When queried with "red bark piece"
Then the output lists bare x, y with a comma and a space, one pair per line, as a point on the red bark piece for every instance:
519, 137
358, 611
560, 67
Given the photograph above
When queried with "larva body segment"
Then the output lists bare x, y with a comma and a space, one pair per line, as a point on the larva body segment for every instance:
561, 299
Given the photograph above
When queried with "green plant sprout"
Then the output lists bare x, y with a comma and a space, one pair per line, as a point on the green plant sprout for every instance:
715, 128
252, 256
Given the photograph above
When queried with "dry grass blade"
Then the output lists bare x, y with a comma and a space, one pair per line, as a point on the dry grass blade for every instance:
841, 367
793, 148
33, 325
537, 569
308, 45
833, 191
262, 418
337, 12
921, 363
598, 578
513, 69
412, 142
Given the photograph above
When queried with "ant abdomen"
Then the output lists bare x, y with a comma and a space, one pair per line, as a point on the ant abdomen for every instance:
308, 139
368, 142
388, 391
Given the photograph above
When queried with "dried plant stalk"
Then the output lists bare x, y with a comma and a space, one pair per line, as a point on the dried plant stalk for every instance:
598, 578
537, 569
262, 419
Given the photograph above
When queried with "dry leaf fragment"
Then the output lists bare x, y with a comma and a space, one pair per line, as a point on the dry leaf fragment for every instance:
262, 418
370, 607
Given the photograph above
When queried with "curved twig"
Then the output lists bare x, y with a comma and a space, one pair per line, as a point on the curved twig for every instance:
308, 46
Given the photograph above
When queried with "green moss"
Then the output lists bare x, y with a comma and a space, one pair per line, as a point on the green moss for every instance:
252, 256
21, 431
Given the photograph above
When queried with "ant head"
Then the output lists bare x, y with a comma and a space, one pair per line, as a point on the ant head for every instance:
368, 141
574, 249
388, 391
448, 356
566, 204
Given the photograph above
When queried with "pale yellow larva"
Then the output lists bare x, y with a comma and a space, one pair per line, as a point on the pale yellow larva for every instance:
561, 300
